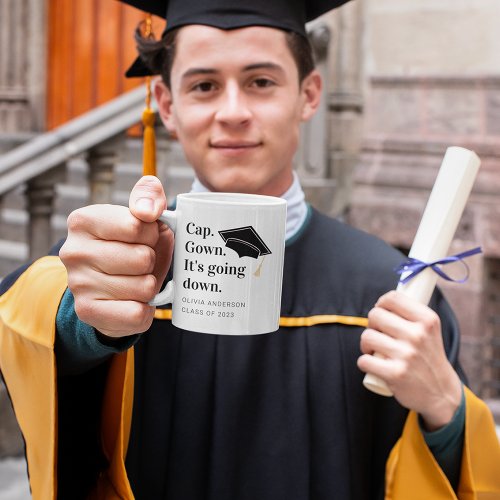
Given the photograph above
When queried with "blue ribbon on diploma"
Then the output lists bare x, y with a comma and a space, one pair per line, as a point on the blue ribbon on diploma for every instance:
416, 266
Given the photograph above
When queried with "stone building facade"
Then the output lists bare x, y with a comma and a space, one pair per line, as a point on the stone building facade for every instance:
432, 80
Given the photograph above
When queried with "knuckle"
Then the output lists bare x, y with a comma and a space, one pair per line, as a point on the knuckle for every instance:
136, 227
149, 286
368, 341
147, 323
372, 315
410, 354
76, 283
426, 327
400, 370
140, 316
69, 253
431, 322
65, 252
419, 336
76, 220
363, 340
366, 335
365, 346
362, 362
389, 297
145, 258
83, 309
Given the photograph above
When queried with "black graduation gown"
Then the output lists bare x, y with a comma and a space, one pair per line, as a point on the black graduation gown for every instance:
280, 416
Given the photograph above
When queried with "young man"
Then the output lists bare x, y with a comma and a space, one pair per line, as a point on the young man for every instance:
277, 416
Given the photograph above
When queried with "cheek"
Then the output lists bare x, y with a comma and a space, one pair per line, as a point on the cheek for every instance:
282, 118
284, 129
191, 122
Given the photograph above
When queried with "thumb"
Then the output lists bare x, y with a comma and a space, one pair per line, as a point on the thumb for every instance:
147, 199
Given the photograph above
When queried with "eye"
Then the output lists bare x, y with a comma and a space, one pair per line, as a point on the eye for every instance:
263, 83
203, 87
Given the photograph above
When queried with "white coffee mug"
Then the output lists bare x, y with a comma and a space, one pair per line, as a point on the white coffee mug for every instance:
228, 263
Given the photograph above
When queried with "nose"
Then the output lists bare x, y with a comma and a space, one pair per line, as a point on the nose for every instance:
233, 109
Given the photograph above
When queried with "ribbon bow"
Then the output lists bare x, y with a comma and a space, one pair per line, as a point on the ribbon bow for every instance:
415, 266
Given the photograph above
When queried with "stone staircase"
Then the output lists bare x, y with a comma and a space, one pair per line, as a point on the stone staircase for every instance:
74, 192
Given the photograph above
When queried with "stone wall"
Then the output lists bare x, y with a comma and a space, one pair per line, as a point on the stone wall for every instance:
432, 37
433, 80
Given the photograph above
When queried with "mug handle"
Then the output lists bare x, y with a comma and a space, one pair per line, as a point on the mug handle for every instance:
166, 296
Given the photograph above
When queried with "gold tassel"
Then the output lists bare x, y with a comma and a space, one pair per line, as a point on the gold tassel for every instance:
257, 272
149, 142
148, 121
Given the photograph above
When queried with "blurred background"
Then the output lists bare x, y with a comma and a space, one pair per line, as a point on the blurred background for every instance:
404, 80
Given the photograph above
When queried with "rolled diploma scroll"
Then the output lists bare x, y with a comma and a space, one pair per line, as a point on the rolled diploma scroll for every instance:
439, 223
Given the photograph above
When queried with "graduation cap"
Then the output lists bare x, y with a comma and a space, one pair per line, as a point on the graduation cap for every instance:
245, 241
288, 15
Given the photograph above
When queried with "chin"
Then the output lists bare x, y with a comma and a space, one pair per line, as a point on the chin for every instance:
247, 179
234, 184
235, 187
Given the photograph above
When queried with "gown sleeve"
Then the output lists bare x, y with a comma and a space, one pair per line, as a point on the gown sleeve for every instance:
412, 473
27, 332
28, 309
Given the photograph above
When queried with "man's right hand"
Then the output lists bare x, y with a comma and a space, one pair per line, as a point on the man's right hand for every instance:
117, 259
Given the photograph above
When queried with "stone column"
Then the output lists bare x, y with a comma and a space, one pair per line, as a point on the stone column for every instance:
14, 104
36, 25
346, 100
313, 158
314, 144
40, 194
101, 161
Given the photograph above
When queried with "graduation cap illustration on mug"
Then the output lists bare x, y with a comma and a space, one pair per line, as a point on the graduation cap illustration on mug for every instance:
245, 241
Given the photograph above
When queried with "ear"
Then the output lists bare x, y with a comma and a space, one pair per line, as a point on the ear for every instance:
310, 90
163, 97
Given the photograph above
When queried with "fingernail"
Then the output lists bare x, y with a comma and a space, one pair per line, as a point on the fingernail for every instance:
145, 204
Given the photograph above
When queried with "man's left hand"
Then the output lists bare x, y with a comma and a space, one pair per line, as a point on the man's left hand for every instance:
413, 364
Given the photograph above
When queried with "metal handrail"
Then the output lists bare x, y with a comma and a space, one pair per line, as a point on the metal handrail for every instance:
53, 148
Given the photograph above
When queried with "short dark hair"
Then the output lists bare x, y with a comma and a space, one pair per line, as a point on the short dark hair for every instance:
158, 55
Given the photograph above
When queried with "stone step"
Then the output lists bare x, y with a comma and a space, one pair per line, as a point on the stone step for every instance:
14, 484
11, 441
12, 255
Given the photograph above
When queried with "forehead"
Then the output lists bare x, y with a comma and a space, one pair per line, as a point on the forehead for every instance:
198, 45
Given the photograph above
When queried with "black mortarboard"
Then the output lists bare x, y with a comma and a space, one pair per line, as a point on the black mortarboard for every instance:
245, 241
289, 15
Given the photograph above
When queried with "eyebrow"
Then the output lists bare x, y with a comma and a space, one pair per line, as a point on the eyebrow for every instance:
251, 67
264, 65
198, 71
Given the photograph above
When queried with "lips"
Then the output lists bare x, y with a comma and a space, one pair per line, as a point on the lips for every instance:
235, 144
235, 149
